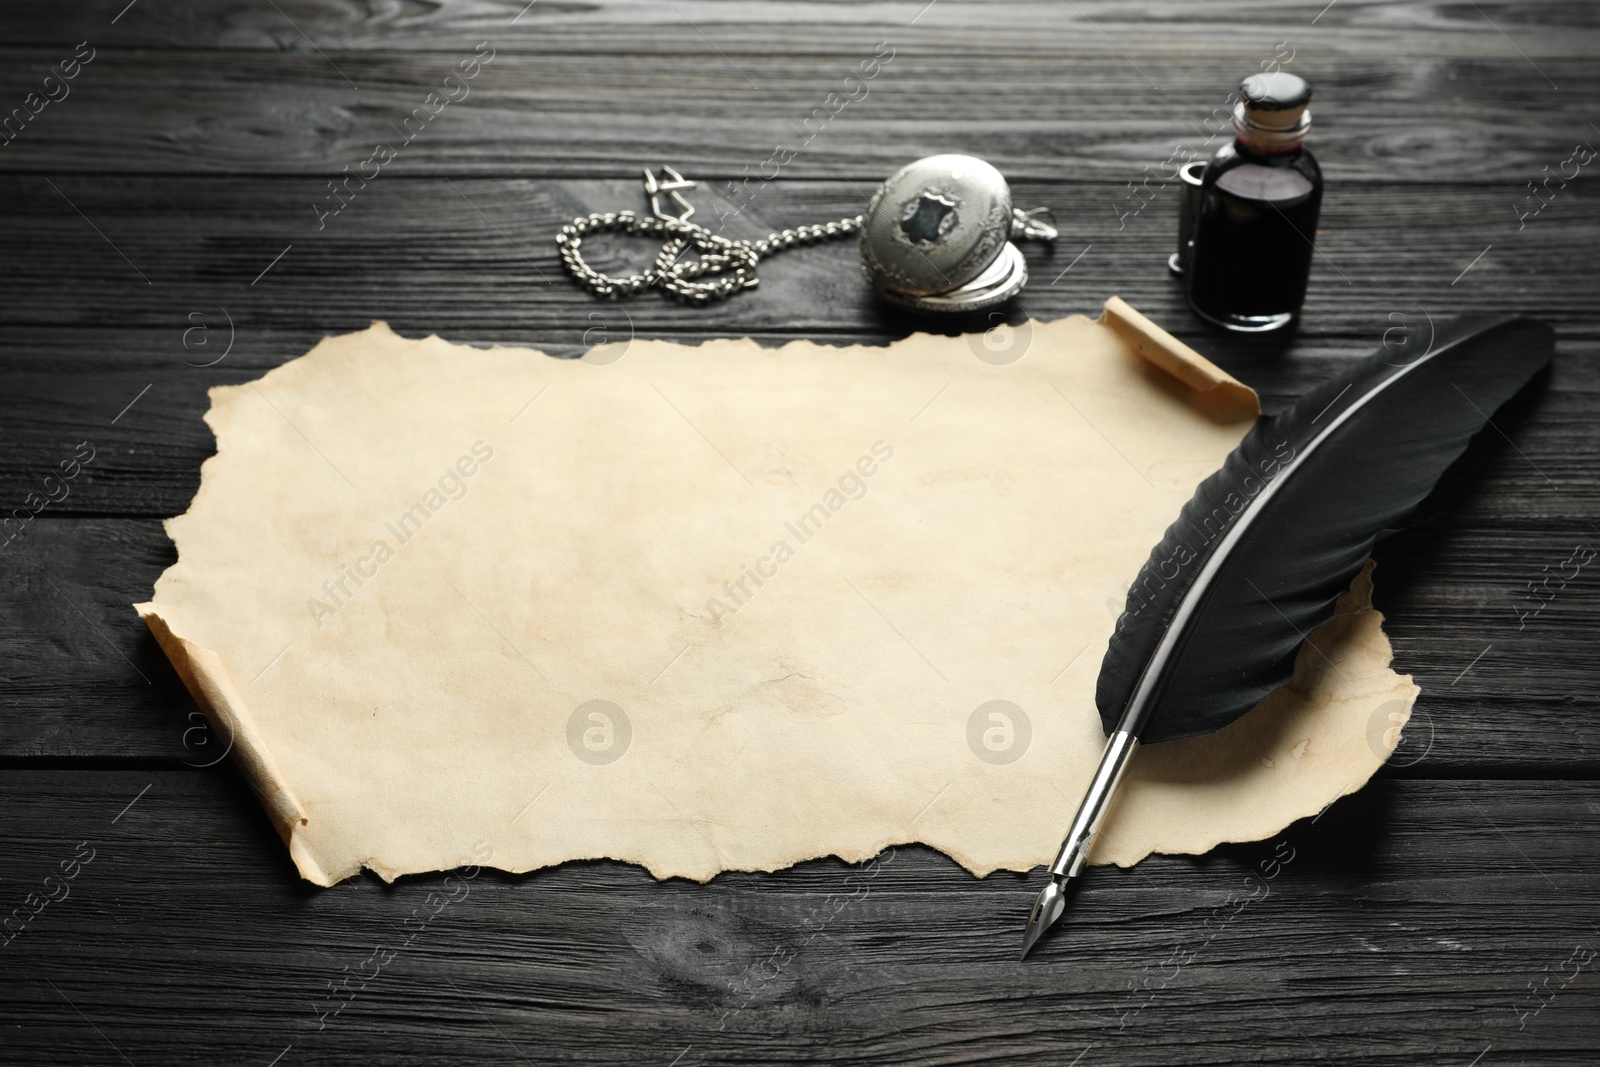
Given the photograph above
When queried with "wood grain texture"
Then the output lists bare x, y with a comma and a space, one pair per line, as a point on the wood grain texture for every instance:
633, 27
1403, 897
1438, 916
1052, 91
465, 257
1076, 111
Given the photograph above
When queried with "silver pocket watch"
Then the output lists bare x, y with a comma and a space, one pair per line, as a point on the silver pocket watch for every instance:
936, 237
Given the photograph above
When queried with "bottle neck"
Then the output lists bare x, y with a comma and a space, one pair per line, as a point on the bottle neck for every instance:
1257, 137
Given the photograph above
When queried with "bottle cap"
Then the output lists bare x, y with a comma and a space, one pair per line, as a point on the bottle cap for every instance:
1273, 114
1275, 99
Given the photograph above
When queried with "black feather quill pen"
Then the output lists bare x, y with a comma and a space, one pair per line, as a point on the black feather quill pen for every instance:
1258, 557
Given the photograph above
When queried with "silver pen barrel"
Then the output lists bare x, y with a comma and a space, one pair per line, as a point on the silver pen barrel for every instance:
1097, 798
1120, 747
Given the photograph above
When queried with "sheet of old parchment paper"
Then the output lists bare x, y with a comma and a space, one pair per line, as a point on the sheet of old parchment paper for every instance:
723, 607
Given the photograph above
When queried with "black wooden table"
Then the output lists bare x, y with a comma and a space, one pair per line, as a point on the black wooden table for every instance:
168, 225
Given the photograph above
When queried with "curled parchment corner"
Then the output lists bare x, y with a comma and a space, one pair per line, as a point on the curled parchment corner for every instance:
213, 690
487, 598
1216, 391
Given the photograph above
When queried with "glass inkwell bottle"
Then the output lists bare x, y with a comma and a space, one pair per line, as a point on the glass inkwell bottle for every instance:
1256, 214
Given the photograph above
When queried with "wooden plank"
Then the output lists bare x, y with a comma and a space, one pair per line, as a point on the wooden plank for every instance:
473, 256
1059, 101
1405, 925
742, 26
83, 677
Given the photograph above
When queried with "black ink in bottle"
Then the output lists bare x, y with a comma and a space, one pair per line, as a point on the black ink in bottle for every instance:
1257, 216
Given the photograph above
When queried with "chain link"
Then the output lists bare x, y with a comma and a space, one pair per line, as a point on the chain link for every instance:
734, 262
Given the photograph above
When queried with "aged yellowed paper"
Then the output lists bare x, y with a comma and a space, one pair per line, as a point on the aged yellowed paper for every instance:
722, 607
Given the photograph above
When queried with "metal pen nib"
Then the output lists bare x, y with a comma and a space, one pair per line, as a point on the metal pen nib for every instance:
1052, 900
1047, 908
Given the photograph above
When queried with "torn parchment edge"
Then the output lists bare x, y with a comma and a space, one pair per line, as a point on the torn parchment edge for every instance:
211, 685
209, 682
